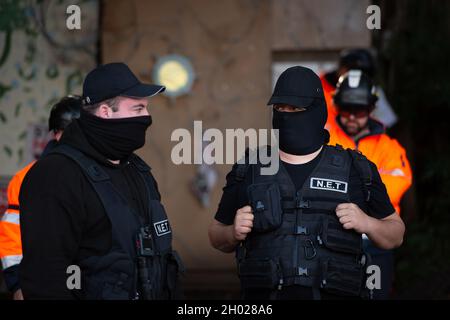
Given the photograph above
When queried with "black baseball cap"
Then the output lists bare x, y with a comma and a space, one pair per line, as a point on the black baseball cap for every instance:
299, 87
115, 79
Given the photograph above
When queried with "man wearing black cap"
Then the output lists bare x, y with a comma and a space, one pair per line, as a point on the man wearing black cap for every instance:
92, 223
297, 234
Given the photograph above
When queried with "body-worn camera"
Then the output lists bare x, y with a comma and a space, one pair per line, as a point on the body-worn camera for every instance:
144, 242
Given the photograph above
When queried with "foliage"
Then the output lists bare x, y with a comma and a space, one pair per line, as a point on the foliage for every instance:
415, 71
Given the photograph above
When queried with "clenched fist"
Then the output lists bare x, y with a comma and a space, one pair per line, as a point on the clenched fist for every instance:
352, 217
243, 223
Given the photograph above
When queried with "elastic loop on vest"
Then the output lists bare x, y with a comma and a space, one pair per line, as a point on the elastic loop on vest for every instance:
13, 207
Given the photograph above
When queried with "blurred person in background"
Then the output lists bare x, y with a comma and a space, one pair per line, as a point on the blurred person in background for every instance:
355, 128
61, 114
357, 59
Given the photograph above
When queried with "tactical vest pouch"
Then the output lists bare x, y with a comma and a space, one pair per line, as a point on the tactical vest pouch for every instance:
117, 289
175, 268
107, 279
336, 238
259, 274
154, 255
266, 205
342, 278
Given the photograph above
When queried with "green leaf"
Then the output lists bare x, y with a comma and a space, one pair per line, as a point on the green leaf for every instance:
73, 80
4, 89
20, 155
52, 72
3, 117
8, 151
17, 109
23, 135
29, 76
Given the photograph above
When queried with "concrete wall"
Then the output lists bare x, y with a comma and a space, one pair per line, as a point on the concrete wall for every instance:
319, 24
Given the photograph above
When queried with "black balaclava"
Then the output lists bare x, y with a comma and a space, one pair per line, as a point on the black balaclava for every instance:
116, 139
302, 132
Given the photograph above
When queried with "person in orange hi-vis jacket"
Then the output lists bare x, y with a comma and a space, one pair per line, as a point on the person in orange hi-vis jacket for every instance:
61, 115
353, 128
357, 59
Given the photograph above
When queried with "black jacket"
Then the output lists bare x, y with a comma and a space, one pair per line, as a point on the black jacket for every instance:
62, 219
11, 274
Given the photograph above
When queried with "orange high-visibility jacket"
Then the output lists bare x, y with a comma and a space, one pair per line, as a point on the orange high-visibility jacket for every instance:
10, 241
328, 91
388, 155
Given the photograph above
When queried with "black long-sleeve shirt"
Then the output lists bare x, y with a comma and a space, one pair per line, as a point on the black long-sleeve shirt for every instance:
62, 219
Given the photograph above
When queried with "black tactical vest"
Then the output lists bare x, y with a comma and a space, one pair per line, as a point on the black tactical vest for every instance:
141, 263
297, 238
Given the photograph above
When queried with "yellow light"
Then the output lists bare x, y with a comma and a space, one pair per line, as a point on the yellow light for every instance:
173, 75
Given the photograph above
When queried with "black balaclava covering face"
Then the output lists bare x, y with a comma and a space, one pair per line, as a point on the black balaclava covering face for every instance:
116, 139
302, 132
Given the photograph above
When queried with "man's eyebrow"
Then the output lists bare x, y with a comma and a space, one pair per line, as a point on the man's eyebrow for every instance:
140, 105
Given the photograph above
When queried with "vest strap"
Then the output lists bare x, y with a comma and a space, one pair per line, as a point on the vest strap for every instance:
363, 167
308, 204
139, 163
13, 207
112, 202
241, 171
305, 239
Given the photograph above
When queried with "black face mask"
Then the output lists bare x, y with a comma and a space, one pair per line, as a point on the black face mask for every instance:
301, 132
116, 139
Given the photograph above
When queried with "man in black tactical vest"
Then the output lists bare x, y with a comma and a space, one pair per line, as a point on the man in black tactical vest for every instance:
297, 233
92, 205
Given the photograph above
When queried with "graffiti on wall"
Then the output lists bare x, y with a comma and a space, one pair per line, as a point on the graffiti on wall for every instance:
41, 60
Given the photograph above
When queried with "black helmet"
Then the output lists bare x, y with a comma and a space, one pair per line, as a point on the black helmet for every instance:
360, 59
355, 90
63, 112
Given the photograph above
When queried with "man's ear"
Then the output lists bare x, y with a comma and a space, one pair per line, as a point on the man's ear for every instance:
57, 134
103, 111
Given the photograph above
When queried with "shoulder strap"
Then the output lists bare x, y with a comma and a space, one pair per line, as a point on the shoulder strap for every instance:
139, 163
250, 157
123, 229
241, 171
242, 167
93, 171
362, 165
145, 172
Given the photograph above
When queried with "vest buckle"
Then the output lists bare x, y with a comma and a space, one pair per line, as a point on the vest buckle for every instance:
302, 204
259, 206
301, 230
302, 271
